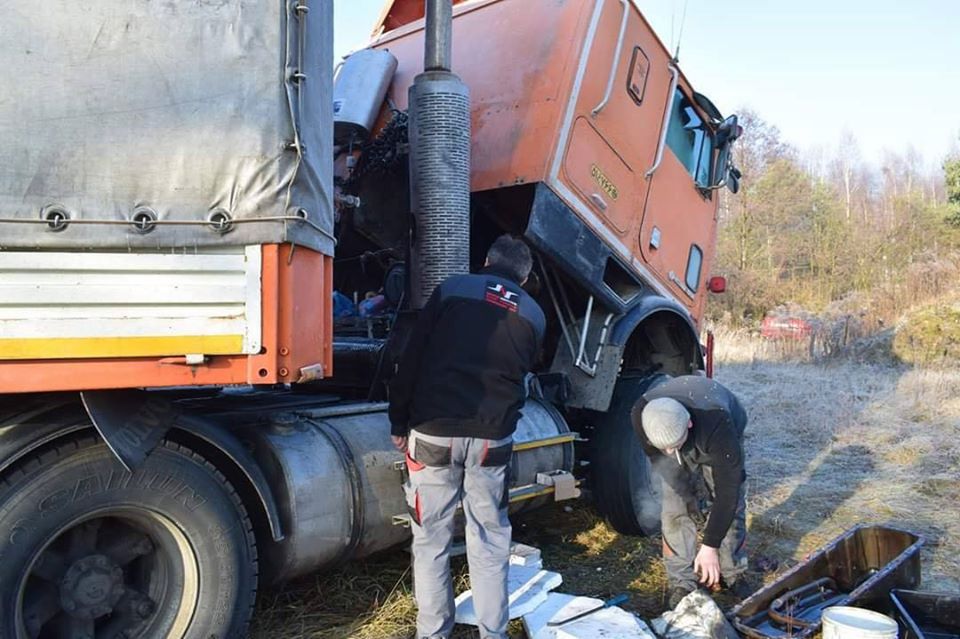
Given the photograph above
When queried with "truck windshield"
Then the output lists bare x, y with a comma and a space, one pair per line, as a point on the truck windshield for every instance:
690, 140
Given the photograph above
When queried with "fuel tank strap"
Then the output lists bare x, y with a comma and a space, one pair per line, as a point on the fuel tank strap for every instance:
357, 513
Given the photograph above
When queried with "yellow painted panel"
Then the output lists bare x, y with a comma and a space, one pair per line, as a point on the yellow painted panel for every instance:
99, 347
541, 443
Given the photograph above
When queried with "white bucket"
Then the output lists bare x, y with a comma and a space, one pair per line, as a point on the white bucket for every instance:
846, 622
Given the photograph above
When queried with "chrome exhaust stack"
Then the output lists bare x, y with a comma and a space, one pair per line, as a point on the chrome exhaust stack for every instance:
439, 105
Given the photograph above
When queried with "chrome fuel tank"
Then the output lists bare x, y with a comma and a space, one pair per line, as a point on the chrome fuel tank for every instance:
338, 480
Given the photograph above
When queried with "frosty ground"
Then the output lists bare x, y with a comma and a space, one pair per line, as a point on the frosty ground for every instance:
829, 445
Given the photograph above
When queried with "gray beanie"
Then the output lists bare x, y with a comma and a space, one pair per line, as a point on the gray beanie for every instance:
665, 422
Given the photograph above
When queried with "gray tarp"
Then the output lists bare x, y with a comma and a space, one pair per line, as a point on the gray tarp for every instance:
181, 106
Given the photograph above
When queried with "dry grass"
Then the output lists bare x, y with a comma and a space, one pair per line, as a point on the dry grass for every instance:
828, 446
831, 446
365, 599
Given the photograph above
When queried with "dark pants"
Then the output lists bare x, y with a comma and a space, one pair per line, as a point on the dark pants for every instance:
680, 536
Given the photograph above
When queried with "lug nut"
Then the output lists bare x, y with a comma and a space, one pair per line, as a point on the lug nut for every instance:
144, 609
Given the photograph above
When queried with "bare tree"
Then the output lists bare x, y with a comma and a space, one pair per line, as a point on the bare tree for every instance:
847, 165
822, 231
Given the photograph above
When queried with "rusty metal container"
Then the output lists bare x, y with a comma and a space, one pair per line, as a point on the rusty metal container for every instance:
858, 568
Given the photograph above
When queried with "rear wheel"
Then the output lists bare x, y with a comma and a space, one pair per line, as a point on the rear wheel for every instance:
93, 551
625, 488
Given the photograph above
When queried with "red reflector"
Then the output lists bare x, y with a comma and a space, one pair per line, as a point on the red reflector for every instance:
717, 284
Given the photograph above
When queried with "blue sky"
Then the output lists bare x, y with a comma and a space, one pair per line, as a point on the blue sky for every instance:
888, 71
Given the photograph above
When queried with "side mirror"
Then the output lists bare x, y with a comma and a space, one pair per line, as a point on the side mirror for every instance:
717, 284
728, 131
733, 179
725, 173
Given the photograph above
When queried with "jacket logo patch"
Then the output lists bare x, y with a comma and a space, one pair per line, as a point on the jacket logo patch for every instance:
500, 295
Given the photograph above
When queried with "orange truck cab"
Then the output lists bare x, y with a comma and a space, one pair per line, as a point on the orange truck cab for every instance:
583, 99
589, 141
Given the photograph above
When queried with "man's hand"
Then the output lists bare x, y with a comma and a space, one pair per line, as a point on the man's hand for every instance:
707, 566
400, 443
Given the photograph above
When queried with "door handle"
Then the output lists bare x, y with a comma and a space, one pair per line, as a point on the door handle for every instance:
616, 60
675, 79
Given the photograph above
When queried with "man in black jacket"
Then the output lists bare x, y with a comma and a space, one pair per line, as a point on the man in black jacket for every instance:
454, 405
692, 428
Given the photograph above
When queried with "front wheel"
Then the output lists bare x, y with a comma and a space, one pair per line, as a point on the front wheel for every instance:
625, 488
92, 551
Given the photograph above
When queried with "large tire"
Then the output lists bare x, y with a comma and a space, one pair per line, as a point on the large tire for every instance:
625, 488
91, 550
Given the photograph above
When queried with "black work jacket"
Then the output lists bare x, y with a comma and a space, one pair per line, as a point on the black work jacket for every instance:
715, 440
462, 371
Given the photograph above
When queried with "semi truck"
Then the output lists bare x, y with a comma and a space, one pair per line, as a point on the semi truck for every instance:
214, 244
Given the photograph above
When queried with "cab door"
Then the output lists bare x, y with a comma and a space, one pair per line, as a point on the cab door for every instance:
611, 138
677, 234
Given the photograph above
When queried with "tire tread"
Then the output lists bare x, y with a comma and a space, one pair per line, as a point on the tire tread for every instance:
614, 441
70, 445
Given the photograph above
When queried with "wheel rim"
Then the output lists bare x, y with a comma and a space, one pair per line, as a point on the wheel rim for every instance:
115, 573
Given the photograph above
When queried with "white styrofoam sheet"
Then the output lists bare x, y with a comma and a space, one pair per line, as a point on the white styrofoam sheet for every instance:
524, 555
528, 587
609, 623
557, 606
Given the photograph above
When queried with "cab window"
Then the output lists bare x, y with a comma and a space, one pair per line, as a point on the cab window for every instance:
690, 139
694, 262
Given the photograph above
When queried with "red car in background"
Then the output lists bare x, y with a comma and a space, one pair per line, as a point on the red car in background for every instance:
781, 326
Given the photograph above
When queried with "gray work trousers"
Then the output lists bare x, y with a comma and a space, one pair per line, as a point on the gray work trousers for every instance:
680, 535
444, 472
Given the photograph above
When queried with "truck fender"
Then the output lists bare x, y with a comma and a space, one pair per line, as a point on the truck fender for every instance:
624, 327
133, 422
647, 313
38, 424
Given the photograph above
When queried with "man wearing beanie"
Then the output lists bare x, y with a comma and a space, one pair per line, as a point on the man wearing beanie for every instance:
691, 428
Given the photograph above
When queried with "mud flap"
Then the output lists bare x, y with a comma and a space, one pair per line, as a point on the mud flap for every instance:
131, 422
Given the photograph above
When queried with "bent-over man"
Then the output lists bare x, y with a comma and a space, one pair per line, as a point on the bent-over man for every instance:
691, 429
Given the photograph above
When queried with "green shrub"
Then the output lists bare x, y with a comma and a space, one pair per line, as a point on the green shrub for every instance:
930, 335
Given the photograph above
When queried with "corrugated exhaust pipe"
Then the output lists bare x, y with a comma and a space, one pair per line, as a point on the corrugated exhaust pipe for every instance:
439, 161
